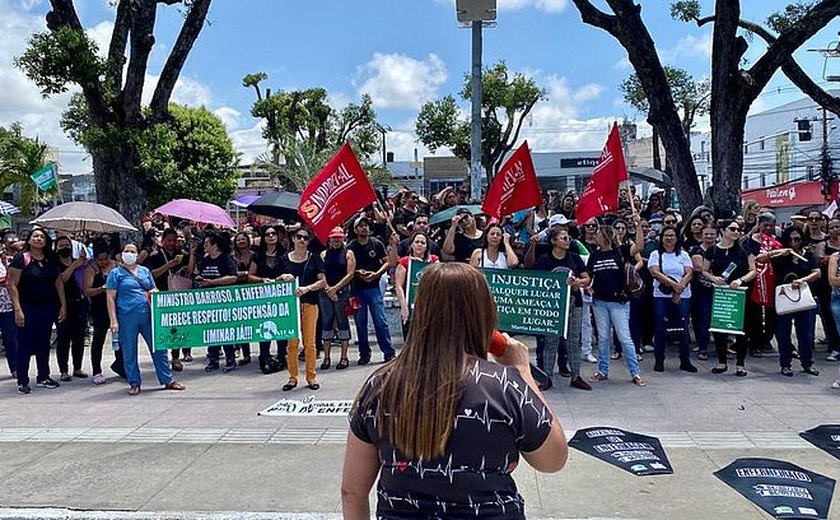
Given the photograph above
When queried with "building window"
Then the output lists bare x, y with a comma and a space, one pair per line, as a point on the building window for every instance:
804, 128
437, 185
746, 149
761, 144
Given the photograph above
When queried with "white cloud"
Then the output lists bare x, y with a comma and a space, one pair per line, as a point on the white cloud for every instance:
550, 6
400, 81
249, 142
623, 64
101, 35
689, 47
229, 116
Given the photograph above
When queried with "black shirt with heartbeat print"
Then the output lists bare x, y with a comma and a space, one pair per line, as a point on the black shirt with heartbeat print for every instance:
498, 416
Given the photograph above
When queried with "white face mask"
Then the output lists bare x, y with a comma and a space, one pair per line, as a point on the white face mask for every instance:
129, 258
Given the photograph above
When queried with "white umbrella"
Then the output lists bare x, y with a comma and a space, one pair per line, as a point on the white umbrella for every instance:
84, 216
8, 209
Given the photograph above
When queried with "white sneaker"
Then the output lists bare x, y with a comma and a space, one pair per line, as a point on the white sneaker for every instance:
589, 358
836, 385
647, 348
833, 356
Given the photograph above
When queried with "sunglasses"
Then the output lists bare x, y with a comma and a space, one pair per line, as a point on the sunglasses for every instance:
734, 229
271, 234
305, 238
814, 219
591, 226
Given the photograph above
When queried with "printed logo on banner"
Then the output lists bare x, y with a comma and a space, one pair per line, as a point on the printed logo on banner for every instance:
633, 452
780, 488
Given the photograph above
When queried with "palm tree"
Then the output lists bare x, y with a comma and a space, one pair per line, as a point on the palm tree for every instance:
20, 157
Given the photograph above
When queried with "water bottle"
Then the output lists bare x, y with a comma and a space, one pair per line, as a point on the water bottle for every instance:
115, 342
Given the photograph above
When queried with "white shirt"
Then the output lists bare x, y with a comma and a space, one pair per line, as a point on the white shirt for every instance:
673, 266
500, 263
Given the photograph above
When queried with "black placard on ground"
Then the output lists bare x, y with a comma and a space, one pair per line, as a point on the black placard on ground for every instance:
782, 489
639, 454
825, 437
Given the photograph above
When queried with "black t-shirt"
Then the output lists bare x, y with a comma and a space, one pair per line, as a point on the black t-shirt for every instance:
788, 267
698, 281
720, 259
607, 271
369, 257
269, 266
36, 287
306, 272
464, 246
496, 418
571, 261
158, 259
404, 216
222, 265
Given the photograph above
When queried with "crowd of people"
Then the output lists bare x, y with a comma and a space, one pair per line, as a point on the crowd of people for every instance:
88, 285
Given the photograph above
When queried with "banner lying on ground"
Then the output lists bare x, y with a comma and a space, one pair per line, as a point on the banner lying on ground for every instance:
309, 406
825, 437
225, 315
639, 454
528, 302
728, 310
782, 489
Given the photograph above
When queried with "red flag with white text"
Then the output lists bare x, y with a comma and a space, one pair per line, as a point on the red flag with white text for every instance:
338, 191
515, 186
601, 193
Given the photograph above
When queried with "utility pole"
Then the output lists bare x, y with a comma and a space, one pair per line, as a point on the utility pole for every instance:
826, 171
475, 130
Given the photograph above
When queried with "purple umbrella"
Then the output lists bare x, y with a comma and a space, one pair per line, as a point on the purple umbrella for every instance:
197, 211
243, 201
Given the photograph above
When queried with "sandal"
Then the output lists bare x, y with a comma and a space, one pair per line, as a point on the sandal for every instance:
134, 390
720, 369
740, 372
787, 372
177, 366
702, 356
292, 384
638, 381
188, 358
175, 385
314, 385
342, 364
811, 371
325, 365
615, 355
598, 377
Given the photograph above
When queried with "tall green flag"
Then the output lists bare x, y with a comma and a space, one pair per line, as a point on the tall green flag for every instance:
46, 178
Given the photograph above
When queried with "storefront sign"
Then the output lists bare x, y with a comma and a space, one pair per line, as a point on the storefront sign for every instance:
825, 437
782, 489
787, 195
728, 310
639, 454
225, 315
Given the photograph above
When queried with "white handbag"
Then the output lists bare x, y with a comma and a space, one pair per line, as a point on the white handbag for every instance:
790, 299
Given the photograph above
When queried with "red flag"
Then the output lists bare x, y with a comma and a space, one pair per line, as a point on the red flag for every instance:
601, 193
335, 194
515, 186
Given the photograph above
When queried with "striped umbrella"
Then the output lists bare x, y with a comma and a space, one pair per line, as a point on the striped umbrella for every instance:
8, 209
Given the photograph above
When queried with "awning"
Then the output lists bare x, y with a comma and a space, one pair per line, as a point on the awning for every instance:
658, 177
789, 195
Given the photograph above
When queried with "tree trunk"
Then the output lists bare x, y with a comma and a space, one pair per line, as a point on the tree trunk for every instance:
657, 159
682, 172
117, 183
728, 124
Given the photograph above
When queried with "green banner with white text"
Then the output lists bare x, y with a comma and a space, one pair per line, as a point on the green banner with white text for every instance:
728, 310
46, 178
415, 272
225, 315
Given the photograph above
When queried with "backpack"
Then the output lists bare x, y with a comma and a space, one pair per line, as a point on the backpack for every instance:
634, 286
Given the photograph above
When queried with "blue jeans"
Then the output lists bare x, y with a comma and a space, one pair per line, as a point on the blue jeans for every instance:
372, 299
805, 322
132, 325
9, 332
34, 337
701, 317
611, 316
676, 316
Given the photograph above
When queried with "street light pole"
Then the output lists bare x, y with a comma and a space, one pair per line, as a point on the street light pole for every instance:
476, 173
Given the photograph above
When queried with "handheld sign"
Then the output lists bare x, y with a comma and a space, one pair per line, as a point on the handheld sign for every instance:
728, 310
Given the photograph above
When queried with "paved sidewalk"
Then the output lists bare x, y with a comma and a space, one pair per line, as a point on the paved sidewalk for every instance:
205, 450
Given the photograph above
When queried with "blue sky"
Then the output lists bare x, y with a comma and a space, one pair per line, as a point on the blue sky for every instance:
402, 52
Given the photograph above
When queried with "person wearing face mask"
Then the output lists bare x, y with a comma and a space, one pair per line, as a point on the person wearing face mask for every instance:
71, 332
96, 275
128, 291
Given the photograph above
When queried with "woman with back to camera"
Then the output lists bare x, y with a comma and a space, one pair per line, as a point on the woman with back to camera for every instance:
441, 425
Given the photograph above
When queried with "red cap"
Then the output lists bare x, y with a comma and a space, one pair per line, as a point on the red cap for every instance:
336, 232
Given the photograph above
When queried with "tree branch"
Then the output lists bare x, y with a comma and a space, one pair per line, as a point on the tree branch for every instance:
781, 50
593, 16
119, 40
172, 69
142, 15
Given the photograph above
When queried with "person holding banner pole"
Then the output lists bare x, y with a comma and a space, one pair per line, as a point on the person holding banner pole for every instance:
339, 270
300, 263
216, 269
609, 299
420, 251
797, 266
267, 267
128, 290
727, 263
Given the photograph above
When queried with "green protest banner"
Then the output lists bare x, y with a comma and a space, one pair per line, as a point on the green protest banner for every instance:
728, 310
225, 315
46, 178
415, 272
530, 302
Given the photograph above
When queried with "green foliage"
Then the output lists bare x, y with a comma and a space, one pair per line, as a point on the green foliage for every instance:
685, 10
189, 156
690, 96
54, 60
104, 138
305, 131
20, 157
781, 21
506, 99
